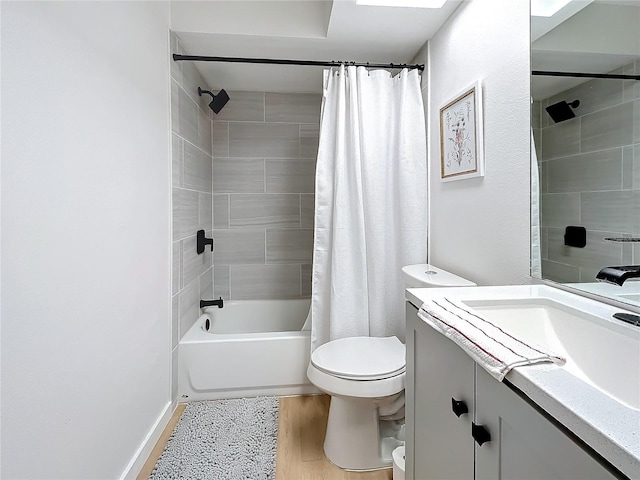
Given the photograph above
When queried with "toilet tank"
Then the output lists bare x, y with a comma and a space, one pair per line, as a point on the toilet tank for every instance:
425, 275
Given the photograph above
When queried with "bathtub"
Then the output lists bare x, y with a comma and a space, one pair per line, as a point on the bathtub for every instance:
252, 347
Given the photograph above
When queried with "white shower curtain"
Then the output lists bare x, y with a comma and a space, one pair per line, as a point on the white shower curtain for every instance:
371, 208
536, 259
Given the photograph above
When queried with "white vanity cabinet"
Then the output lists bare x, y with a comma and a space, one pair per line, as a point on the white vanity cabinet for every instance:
522, 443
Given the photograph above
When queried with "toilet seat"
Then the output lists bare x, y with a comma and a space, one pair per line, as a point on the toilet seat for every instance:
361, 358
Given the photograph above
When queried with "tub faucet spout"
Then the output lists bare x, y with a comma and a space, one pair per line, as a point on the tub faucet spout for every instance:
618, 275
210, 303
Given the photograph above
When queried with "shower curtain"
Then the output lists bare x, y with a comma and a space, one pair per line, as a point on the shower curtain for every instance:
371, 207
536, 258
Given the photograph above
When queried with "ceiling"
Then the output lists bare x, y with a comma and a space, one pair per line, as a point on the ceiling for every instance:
587, 36
298, 29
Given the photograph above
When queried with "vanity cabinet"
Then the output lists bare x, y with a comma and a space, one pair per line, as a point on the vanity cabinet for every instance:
499, 436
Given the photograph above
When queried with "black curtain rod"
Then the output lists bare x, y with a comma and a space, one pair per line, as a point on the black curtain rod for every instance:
312, 63
585, 75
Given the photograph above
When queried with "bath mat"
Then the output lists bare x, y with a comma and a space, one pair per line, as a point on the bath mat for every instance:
222, 440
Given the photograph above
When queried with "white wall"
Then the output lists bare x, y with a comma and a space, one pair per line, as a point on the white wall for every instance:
479, 227
85, 235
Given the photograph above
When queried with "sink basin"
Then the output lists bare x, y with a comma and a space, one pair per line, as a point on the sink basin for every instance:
602, 353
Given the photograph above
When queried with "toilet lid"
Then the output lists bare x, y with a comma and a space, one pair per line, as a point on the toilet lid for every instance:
361, 358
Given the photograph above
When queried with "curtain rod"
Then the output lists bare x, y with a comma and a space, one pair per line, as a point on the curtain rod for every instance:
585, 75
312, 63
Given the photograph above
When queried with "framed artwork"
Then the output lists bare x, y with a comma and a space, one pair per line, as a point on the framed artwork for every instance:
461, 146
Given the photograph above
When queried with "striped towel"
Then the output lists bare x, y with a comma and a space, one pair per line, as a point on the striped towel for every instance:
491, 347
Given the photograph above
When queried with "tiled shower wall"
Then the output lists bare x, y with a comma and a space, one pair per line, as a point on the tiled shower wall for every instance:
264, 154
191, 142
590, 177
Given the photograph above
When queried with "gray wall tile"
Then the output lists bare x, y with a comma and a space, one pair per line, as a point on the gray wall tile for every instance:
193, 264
238, 175
636, 167
205, 136
627, 167
268, 140
544, 242
560, 209
306, 271
188, 117
265, 281
292, 107
185, 213
221, 211
636, 253
561, 139
243, 106
615, 211
587, 172
290, 175
221, 282
309, 137
189, 301
205, 212
636, 121
596, 254
536, 115
594, 95
268, 210
631, 88
176, 67
175, 106
197, 168
176, 160
560, 273
175, 268
607, 128
206, 285
289, 246
307, 211
220, 139
239, 247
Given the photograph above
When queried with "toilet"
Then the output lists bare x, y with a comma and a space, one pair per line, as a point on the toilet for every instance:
365, 377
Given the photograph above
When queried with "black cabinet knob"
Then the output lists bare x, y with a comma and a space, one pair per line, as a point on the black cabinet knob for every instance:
480, 434
459, 407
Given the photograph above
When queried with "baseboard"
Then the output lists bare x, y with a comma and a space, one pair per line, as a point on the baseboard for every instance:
144, 450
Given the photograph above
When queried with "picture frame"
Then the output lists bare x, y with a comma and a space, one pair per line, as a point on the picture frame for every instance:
461, 136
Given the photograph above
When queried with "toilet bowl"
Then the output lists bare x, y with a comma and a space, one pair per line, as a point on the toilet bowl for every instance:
365, 377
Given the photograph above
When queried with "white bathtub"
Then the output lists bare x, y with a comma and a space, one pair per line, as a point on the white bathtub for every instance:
253, 347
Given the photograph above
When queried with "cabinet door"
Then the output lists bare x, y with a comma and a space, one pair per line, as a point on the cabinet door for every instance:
439, 444
524, 445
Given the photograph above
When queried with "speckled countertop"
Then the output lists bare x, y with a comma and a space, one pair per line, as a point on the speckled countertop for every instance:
608, 426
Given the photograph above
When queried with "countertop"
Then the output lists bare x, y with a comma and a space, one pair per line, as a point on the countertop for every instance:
609, 427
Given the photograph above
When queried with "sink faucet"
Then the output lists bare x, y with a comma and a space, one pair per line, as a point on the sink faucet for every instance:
211, 303
618, 275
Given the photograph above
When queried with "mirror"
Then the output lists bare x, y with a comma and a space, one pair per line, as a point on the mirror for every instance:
587, 144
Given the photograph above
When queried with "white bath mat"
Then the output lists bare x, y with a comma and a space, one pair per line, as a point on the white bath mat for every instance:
223, 440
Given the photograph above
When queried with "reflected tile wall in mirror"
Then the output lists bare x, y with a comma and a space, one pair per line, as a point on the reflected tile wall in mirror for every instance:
589, 176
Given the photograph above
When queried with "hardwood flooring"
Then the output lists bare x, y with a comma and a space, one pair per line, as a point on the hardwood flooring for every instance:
301, 426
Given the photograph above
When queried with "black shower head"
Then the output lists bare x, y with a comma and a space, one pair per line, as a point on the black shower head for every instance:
217, 101
561, 111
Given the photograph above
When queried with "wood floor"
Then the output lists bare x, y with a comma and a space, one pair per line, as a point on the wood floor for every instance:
301, 427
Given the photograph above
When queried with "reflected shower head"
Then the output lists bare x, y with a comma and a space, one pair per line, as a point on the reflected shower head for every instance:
217, 101
561, 111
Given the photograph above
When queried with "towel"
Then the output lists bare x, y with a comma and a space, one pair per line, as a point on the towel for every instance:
491, 347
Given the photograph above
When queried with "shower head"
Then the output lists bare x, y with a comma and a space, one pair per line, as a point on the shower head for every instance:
561, 111
217, 101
